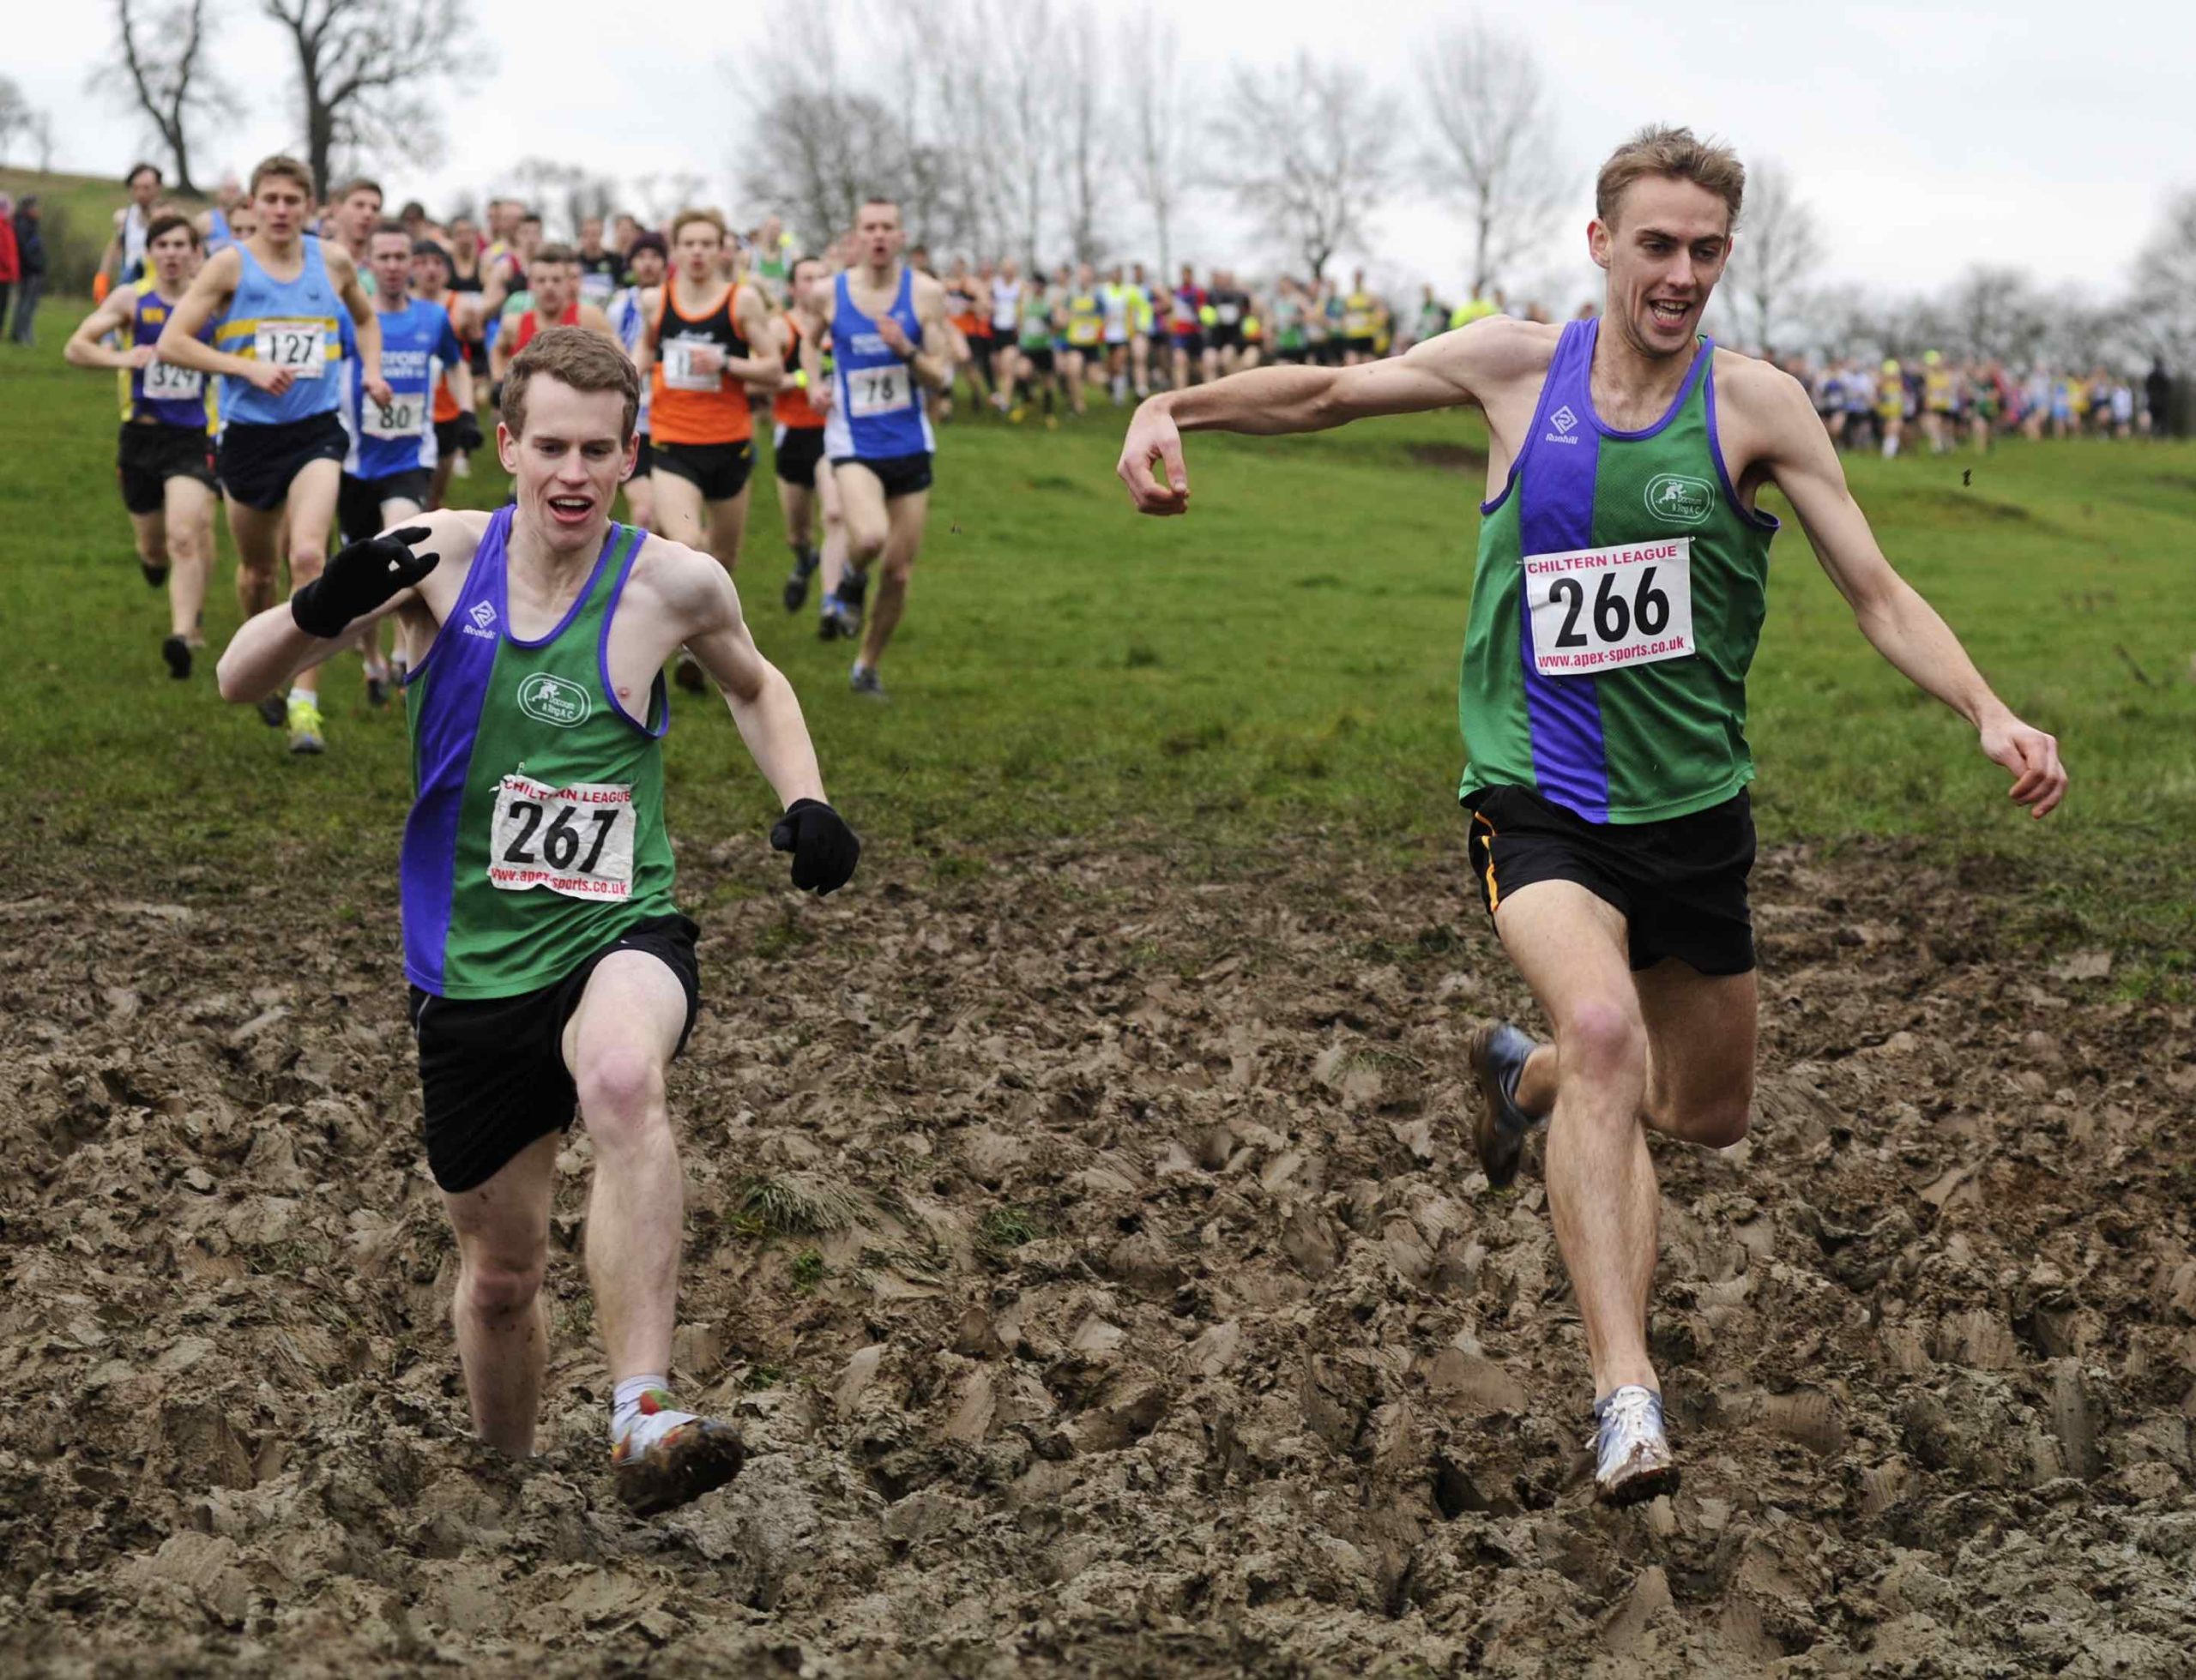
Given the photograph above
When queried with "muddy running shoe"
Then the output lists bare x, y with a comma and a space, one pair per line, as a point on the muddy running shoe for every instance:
176, 652
854, 589
796, 583
865, 680
156, 577
688, 674
668, 1457
302, 715
1632, 1450
1497, 1052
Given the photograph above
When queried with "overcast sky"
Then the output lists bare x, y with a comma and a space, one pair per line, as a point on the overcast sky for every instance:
1927, 137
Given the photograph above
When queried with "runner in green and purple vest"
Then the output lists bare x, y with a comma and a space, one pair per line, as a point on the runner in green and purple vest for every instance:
552, 972
1620, 588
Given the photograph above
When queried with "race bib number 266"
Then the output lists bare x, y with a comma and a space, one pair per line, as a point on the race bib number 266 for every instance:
577, 840
1602, 609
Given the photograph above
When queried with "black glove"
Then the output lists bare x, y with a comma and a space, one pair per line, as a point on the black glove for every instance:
360, 579
824, 850
469, 440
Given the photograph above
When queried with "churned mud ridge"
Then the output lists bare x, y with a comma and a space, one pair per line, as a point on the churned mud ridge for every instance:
1094, 1265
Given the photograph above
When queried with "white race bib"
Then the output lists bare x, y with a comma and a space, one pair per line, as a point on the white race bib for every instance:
872, 391
1602, 609
679, 373
577, 840
404, 415
299, 345
166, 382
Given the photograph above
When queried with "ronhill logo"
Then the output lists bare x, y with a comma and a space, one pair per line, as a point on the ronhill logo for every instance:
1564, 423
483, 615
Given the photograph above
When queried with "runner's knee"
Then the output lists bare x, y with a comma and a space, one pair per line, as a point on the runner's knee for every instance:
498, 1288
1604, 1043
865, 542
308, 555
621, 1094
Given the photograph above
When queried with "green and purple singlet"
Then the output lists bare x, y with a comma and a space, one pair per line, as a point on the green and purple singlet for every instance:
536, 834
1616, 605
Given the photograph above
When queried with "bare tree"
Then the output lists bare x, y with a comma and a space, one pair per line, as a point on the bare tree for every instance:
1998, 314
1312, 143
163, 67
1494, 144
1777, 249
1028, 132
364, 73
1086, 163
41, 137
19, 118
661, 196
2164, 293
1158, 125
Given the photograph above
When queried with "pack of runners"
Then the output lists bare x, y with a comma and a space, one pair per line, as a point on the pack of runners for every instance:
330, 379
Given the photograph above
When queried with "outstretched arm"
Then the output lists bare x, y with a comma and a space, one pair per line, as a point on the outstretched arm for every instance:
1892, 613
363, 583
1445, 372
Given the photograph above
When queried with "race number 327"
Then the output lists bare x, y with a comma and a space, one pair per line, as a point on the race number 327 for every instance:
1602, 609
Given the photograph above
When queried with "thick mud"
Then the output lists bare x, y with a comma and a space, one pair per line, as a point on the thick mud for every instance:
1096, 1267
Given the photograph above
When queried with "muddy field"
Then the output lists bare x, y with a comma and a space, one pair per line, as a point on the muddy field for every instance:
1096, 1267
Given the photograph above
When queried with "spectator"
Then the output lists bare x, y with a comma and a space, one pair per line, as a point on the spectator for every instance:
11, 267
30, 254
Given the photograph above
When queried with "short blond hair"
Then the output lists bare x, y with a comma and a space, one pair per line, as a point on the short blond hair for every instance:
711, 217
283, 167
575, 357
1675, 154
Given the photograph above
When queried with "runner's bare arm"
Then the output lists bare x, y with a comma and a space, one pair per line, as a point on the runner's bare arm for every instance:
820, 393
209, 294
84, 349
937, 348
764, 371
270, 648
344, 274
702, 600
1902, 626
461, 385
1450, 372
644, 351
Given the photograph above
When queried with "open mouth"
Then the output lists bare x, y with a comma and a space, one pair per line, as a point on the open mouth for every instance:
570, 509
1668, 314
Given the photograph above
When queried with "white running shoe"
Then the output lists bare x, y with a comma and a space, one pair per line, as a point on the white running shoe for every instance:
1632, 1449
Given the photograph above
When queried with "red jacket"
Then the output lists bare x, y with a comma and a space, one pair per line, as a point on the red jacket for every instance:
11, 266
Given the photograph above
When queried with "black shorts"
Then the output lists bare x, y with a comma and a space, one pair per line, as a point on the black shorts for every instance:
901, 475
979, 353
258, 463
1190, 344
720, 470
358, 502
1327, 352
1036, 357
1226, 338
146, 456
1680, 883
1295, 355
794, 451
643, 457
1364, 346
493, 1070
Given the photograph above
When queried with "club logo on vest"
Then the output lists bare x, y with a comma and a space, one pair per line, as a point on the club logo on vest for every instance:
549, 699
1564, 423
1677, 500
483, 615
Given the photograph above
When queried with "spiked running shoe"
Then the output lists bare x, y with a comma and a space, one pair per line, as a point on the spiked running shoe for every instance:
865, 680
852, 591
273, 711
678, 1466
797, 584
176, 652
305, 721
1497, 1053
1632, 1449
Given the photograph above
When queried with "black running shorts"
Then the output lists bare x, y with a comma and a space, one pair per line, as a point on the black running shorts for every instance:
1036, 357
719, 470
358, 503
643, 457
493, 1069
146, 456
794, 451
901, 475
258, 463
1680, 883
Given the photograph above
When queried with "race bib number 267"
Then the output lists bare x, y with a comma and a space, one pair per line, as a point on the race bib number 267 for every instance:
1602, 609
577, 840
